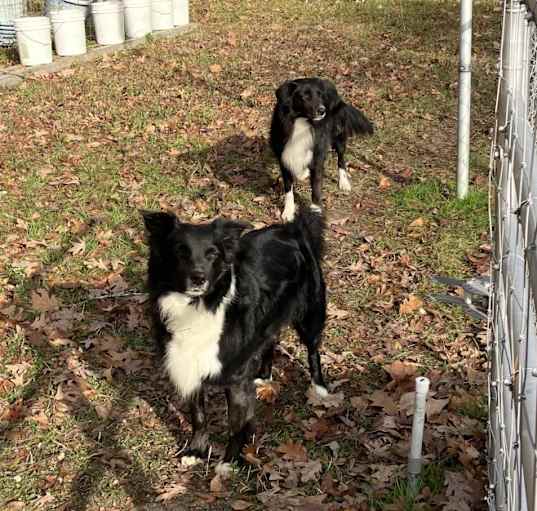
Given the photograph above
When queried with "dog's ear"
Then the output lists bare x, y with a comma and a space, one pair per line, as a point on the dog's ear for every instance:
285, 91
158, 223
331, 95
228, 233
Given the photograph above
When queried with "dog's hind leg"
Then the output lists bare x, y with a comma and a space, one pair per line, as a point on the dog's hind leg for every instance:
344, 181
200, 437
310, 329
288, 213
241, 412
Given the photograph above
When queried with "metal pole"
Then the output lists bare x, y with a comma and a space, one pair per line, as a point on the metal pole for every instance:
465, 91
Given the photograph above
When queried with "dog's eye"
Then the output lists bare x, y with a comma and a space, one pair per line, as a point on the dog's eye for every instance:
182, 251
211, 253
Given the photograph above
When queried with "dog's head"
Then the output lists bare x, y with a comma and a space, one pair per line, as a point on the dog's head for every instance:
192, 257
312, 98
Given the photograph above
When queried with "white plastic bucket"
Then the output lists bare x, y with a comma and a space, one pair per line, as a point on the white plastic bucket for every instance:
137, 18
161, 14
109, 22
180, 12
69, 31
33, 40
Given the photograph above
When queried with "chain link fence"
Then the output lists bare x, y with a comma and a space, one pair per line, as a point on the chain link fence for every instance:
513, 340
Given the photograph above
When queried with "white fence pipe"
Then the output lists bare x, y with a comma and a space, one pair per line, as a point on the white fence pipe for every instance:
465, 93
414, 458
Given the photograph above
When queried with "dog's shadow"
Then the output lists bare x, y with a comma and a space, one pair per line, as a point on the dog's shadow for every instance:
238, 160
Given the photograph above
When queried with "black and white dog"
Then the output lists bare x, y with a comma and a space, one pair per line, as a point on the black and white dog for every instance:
219, 299
309, 118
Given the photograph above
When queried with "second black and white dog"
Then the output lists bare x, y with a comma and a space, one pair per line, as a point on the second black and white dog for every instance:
310, 118
219, 300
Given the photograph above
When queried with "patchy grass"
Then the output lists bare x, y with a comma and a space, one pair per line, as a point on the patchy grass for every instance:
88, 419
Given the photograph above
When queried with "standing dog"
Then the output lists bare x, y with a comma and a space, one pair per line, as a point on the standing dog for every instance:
219, 300
309, 118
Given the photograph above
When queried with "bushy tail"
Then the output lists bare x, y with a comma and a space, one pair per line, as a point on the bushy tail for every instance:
311, 225
355, 122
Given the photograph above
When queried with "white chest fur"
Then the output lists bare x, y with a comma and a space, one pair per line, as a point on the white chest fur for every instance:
192, 352
298, 151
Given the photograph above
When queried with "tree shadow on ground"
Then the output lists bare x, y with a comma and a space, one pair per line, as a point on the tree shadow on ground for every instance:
238, 160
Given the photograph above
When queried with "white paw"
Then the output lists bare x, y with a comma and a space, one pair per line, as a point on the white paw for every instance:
190, 461
260, 381
321, 391
303, 174
315, 208
344, 181
224, 470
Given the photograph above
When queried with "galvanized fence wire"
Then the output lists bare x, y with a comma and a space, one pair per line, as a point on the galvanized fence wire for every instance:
512, 319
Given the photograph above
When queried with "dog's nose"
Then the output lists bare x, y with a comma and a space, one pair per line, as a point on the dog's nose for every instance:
197, 278
321, 110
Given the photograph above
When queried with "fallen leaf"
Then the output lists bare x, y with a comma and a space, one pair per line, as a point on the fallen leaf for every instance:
240, 505
173, 490
329, 401
419, 222
250, 455
247, 93
268, 391
14, 505
328, 487
384, 183
335, 313
293, 451
215, 68
399, 370
216, 485
78, 248
310, 470
67, 72
232, 39
411, 304
435, 406
45, 500
381, 399
42, 301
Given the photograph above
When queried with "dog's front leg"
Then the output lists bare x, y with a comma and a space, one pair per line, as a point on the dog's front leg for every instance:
316, 178
241, 412
200, 437
288, 213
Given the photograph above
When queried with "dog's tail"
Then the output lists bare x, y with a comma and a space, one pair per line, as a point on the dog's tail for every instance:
311, 225
355, 122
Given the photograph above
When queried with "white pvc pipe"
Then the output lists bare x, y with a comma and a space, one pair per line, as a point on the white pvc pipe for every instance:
465, 93
414, 458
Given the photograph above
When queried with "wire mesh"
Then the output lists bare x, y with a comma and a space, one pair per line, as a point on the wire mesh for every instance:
512, 329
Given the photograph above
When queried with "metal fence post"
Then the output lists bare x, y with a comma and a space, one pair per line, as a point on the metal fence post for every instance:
465, 93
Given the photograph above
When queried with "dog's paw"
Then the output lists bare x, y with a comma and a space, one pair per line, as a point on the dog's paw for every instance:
190, 461
320, 391
262, 381
344, 181
303, 174
225, 470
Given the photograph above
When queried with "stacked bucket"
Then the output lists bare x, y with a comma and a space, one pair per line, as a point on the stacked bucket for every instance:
9, 10
112, 21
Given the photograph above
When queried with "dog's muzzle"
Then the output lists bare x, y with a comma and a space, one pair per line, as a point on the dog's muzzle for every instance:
200, 290
320, 114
